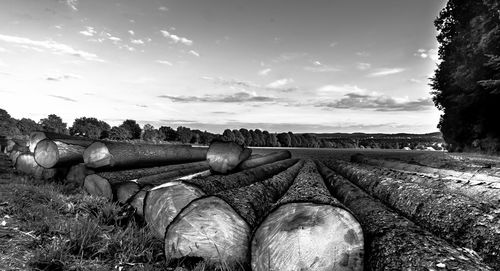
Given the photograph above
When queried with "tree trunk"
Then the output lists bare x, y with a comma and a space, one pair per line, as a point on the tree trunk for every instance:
226, 220
163, 203
26, 163
266, 159
134, 174
392, 241
77, 173
38, 136
119, 155
452, 216
469, 177
223, 157
308, 229
51, 153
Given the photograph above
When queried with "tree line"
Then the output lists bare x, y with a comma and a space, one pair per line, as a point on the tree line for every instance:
466, 84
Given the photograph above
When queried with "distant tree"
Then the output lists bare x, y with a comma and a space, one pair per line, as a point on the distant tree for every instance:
273, 140
284, 139
238, 137
26, 126
294, 142
90, 127
7, 124
149, 133
168, 134
206, 138
228, 135
53, 123
134, 128
248, 137
119, 133
184, 134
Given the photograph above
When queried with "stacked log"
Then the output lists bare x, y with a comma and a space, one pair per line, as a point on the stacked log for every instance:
308, 229
25, 163
454, 217
227, 219
264, 159
223, 157
394, 242
125, 155
77, 173
38, 136
163, 203
59, 152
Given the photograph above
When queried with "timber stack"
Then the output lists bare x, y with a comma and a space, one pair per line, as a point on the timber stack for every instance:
236, 210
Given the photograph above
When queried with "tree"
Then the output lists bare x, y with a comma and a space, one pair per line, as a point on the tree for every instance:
184, 134
466, 84
119, 133
134, 128
149, 133
238, 137
90, 127
248, 138
53, 123
284, 139
26, 126
168, 134
228, 135
7, 124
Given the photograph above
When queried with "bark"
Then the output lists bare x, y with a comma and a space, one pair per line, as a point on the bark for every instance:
13, 155
120, 155
163, 203
308, 229
51, 153
36, 137
99, 187
137, 201
226, 220
133, 174
266, 159
472, 178
16, 145
26, 163
452, 216
77, 173
394, 242
223, 157
124, 191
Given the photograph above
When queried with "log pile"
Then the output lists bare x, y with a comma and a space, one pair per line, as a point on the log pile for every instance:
272, 212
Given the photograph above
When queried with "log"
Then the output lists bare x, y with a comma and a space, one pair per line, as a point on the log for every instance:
392, 241
471, 177
125, 191
13, 155
16, 145
451, 216
223, 156
98, 187
266, 159
163, 203
38, 136
135, 174
77, 173
137, 201
119, 155
51, 153
308, 229
218, 228
25, 163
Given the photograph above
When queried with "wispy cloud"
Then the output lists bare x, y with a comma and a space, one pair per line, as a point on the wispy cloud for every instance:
138, 41
332, 90
64, 98
280, 83
163, 8
363, 66
386, 72
320, 67
239, 97
175, 38
131, 32
264, 72
377, 103
54, 47
89, 31
285, 57
72, 4
333, 44
164, 62
193, 52
60, 77
363, 54
429, 54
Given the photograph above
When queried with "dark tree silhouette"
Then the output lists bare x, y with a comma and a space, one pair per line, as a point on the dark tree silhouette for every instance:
134, 128
90, 127
119, 133
168, 134
53, 123
26, 126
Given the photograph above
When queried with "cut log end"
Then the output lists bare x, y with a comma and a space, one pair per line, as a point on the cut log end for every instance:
125, 191
95, 185
163, 204
307, 236
209, 228
46, 153
97, 155
35, 137
223, 157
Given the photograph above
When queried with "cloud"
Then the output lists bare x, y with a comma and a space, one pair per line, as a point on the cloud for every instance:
72, 4
175, 38
89, 31
385, 72
194, 53
60, 77
55, 47
64, 98
363, 54
285, 57
139, 41
163, 8
239, 97
164, 62
363, 66
131, 32
429, 54
114, 38
264, 72
333, 44
377, 102
3, 50
318, 67
415, 81
336, 89
280, 83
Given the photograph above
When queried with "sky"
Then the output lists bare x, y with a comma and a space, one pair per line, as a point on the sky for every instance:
278, 65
